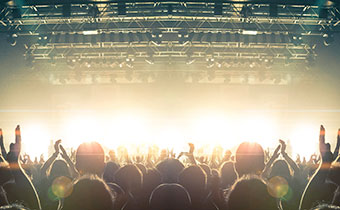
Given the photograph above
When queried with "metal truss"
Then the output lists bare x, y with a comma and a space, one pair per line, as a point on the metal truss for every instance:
132, 34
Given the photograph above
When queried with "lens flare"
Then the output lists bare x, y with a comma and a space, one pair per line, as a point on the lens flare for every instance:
278, 187
62, 187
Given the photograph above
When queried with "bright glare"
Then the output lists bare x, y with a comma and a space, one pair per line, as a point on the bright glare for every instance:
304, 140
137, 132
35, 140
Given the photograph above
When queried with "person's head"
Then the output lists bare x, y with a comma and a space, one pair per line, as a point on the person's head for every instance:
250, 193
170, 197
170, 169
228, 174
90, 158
109, 172
59, 168
249, 159
194, 179
89, 193
280, 168
129, 178
151, 179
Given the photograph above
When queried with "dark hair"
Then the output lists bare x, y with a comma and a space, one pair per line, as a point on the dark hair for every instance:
59, 168
129, 178
250, 193
109, 172
170, 169
228, 174
194, 179
89, 193
170, 197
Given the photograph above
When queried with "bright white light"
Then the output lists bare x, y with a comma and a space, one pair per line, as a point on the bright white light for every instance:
245, 32
304, 140
35, 140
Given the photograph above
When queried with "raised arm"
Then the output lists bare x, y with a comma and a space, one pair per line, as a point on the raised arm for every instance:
318, 189
3, 149
25, 190
51, 159
72, 167
289, 160
269, 164
336, 150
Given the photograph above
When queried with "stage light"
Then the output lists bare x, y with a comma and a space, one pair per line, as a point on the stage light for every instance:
43, 39
296, 39
71, 63
183, 36
156, 37
328, 39
12, 39
129, 61
210, 62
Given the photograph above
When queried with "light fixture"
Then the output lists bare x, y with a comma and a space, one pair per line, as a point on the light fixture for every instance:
328, 39
12, 39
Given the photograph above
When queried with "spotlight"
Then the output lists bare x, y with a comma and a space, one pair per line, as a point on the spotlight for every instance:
210, 62
328, 39
43, 39
71, 63
296, 39
129, 62
12, 39
268, 63
156, 37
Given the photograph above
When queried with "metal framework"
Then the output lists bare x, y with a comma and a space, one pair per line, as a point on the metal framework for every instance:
139, 35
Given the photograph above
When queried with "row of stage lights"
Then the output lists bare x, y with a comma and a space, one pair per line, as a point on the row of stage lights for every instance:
130, 76
156, 37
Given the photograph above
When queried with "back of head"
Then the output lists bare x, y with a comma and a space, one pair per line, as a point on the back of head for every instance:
129, 178
249, 159
89, 193
90, 158
228, 174
280, 168
194, 179
109, 171
170, 197
59, 168
170, 169
250, 193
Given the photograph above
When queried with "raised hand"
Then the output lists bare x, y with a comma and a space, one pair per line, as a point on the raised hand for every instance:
3, 150
283, 146
325, 148
276, 152
56, 146
15, 149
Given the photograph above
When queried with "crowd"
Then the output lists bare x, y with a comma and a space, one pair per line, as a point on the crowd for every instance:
249, 179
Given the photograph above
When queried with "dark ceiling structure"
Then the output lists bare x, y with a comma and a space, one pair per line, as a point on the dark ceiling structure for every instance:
252, 42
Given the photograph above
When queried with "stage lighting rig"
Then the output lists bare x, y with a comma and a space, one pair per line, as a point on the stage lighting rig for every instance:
328, 39
12, 39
